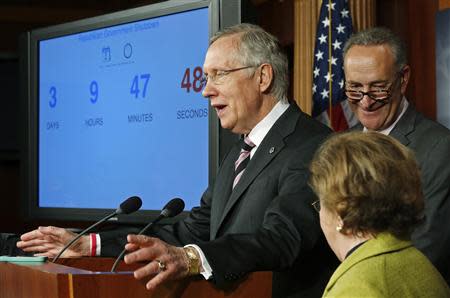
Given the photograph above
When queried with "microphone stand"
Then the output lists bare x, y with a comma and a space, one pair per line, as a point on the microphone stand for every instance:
161, 216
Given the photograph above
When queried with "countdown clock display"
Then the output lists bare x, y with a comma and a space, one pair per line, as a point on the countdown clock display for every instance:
121, 113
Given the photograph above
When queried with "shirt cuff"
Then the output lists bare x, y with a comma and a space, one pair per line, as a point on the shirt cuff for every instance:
205, 268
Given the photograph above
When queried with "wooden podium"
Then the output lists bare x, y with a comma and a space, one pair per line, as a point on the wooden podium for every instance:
90, 277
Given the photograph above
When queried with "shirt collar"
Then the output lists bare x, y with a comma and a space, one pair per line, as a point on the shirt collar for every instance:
261, 129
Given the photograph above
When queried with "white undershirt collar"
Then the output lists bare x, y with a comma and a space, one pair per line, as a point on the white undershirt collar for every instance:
258, 133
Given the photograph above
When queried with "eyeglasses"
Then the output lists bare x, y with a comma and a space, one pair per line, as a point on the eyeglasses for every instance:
316, 205
380, 95
219, 75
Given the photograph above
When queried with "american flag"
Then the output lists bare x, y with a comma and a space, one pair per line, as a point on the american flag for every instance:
329, 102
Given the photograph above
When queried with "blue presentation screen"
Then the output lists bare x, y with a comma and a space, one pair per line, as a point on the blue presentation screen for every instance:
121, 114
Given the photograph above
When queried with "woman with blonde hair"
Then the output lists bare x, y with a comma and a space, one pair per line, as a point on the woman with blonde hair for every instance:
370, 200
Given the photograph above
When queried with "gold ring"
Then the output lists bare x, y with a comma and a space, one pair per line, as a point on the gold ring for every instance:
161, 265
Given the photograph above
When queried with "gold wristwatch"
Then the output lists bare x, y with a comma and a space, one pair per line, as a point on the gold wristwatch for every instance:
194, 261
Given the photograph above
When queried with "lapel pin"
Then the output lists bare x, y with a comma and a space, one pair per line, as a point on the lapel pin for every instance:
271, 150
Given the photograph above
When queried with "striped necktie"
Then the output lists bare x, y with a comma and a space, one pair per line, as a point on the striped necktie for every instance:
242, 161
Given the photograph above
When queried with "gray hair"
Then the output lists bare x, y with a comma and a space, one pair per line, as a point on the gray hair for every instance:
255, 47
380, 36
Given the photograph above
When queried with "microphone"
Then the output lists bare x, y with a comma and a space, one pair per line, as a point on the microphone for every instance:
126, 207
173, 208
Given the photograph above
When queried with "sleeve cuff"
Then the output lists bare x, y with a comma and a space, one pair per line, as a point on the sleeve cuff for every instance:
205, 269
94, 245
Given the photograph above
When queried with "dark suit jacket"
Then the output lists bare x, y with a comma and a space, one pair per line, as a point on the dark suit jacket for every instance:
431, 143
266, 222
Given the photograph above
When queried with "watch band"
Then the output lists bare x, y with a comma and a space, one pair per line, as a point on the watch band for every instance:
194, 262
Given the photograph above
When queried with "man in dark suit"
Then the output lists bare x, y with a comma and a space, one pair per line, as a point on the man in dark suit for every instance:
258, 218
377, 76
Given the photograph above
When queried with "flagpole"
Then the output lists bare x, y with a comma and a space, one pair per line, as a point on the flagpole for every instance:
329, 102
330, 83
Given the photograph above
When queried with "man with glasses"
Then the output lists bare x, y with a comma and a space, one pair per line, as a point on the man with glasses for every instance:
257, 215
377, 75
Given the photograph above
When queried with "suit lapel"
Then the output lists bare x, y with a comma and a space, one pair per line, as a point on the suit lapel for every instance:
405, 126
271, 145
222, 190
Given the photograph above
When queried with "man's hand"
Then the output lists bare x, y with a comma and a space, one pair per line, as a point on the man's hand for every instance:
48, 241
166, 262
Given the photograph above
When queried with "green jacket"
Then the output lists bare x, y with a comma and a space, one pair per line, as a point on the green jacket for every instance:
386, 267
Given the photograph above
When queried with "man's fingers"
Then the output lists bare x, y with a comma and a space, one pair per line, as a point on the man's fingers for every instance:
142, 254
47, 254
131, 247
41, 255
47, 241
36, 242
149, 270
31, 235
30, 243
33, 248
39, 248
145, 249
166, 262
157, 280
141, 240
50, 253
53, 231
41, 232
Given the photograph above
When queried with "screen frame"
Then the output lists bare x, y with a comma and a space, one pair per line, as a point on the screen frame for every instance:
30, 70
